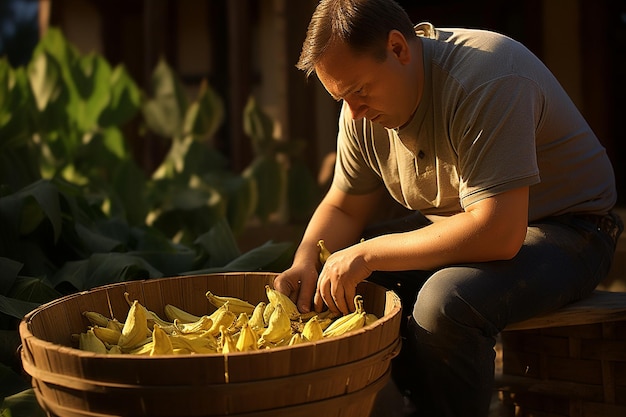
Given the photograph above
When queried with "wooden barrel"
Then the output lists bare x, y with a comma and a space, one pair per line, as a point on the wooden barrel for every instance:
332, 377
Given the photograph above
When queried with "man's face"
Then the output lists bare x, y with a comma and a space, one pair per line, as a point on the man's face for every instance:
381, 91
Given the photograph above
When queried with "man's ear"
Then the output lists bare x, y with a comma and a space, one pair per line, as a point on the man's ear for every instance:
398, 46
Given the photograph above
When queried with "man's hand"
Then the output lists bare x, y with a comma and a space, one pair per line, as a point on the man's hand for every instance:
336, 286
338, 220
298, 283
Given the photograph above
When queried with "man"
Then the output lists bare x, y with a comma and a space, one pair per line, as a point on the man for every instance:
471, 130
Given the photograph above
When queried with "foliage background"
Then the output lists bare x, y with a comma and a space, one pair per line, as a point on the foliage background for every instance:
76, 210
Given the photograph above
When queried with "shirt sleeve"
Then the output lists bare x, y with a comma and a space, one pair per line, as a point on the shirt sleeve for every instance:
493, 133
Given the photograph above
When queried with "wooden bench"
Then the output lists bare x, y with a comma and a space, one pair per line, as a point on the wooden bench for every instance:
571, 362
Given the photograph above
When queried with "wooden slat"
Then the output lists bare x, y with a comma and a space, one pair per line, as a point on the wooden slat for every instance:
600, 306
565, 389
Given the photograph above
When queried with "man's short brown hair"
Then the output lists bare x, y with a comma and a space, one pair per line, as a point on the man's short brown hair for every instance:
363, 25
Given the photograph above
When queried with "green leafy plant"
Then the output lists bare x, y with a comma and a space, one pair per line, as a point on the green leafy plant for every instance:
77, 211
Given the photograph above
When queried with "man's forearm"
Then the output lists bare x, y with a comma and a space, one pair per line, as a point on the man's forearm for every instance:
334, 226
494, 230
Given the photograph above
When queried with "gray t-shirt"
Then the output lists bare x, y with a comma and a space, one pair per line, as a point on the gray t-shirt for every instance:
492, 118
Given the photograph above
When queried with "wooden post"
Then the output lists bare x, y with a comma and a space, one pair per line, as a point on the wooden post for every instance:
239, 64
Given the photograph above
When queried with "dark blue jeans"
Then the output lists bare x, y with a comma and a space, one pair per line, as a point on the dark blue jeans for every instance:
453, 315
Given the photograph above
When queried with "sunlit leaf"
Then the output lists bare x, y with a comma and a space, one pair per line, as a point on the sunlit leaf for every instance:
204, 115
114, 142
54, 42
165, 111
270, 178
6, 81
98, 159
125, 99
174, 162
258, 126
190, 211
45, 79
91, 75
16, 107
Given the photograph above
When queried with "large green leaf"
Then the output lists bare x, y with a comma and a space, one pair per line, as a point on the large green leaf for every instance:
10, 384
270, 178
30, 205
99, 158
201, 158
258, 126
74, 273
35, 255
82, 204
168, 263
34, 290
185, 225
22, 404
45, 78
68, 104
188, 209
257, 259
16, 308
125, 99
9, 354
164, 113
90, 83
168, 257
241, 195
54, 42
173, 164
261, 257
9, 270
16, 107
94, 241
52, 91
204, 115
18, 167
218, 245
32, 215
19, 162
303, 193
187, 157
130, 186
6, 85
104, 268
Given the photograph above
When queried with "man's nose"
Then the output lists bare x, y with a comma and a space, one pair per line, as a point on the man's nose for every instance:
358, 108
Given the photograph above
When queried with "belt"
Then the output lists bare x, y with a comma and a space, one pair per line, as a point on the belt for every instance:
609, 223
